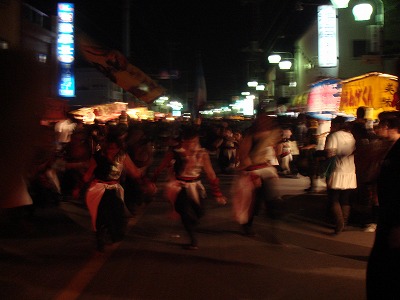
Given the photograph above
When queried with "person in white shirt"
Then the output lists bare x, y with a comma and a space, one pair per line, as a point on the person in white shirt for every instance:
64, 130
341, 173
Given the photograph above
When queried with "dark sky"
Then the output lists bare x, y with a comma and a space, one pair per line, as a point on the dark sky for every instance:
168, 34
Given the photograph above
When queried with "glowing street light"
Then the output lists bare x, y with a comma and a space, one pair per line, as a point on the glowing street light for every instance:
340, 3
260, 87
252, 83
274, 58
285, 65
362, 11
283, 59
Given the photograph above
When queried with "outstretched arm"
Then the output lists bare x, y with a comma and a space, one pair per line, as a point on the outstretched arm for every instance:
145, 184
131, 168
164, 164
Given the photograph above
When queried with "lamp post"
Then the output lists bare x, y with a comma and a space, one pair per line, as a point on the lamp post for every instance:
285, 80
364, 9
362, 12
283, 59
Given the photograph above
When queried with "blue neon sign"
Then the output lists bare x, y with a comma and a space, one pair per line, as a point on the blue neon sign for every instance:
65, 49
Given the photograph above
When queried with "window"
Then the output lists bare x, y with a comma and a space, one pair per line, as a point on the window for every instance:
359, 48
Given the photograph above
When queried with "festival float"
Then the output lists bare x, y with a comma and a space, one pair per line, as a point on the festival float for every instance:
110, 112
375, 91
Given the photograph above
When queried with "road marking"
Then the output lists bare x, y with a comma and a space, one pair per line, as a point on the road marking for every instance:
79, 282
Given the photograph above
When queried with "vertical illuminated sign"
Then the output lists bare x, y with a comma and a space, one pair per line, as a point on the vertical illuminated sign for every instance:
327, 36
65, 49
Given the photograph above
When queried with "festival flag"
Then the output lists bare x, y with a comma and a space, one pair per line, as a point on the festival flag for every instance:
117, 68
200, 94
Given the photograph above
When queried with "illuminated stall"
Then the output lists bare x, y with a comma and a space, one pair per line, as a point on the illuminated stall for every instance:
324, 98
373, 90
110, 112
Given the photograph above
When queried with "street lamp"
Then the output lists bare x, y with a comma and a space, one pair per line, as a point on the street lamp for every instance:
285, 64
253, 83
340, 3
260, 87
363, 11
284, 61
274, 58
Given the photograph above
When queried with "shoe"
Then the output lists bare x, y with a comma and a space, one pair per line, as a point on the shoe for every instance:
370, 228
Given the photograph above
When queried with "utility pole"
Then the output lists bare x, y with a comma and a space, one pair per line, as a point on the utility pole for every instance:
126, 40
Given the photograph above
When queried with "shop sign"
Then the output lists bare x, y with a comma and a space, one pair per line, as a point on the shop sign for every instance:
66, 49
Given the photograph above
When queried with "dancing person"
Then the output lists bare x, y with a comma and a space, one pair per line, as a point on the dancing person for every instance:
256, 182
185, 190
105, 195
141, 150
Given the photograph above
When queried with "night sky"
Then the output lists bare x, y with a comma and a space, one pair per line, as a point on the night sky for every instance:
169, 35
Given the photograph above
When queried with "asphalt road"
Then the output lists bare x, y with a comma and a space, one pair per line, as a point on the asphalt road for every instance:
52, 255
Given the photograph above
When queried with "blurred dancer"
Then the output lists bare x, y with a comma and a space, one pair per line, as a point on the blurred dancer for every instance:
105, 195
185, 189
256, 182
141, 150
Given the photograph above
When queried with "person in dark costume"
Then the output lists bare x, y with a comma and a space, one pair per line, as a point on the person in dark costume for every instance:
185, 189
105, 195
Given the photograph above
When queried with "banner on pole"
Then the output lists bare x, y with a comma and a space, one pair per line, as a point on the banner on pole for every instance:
200, 93
119, 70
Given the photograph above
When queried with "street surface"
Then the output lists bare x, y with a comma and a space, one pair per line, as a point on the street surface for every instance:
53, 256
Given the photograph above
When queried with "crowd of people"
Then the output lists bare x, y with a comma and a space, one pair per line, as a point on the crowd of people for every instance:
291, 146
108, 168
